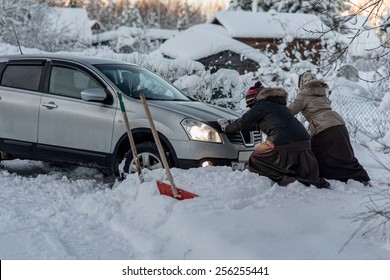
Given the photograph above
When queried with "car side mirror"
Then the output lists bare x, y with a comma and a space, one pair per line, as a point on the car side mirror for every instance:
93, 94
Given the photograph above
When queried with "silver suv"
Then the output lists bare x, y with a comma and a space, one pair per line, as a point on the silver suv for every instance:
65, 109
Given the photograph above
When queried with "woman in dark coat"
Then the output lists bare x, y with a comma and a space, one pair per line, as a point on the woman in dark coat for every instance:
330, 140
286, 154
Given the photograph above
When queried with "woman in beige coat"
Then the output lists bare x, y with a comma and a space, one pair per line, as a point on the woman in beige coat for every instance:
330, 140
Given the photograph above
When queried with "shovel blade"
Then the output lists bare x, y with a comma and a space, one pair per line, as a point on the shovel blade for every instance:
166, 189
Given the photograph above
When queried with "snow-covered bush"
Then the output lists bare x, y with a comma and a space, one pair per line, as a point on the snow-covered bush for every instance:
31, 24
224, 88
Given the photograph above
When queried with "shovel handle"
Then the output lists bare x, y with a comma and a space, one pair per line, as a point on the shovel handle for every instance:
159, 146
131, 138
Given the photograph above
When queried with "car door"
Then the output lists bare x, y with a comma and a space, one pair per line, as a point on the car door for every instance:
70, 128
20, 96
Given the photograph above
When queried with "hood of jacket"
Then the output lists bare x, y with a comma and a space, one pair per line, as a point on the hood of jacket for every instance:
271, 92
315, 87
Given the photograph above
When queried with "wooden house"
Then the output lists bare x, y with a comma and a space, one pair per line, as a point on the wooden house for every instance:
297, 34
212, 46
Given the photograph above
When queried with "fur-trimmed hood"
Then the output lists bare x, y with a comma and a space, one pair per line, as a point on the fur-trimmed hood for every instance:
271, 92
315, 87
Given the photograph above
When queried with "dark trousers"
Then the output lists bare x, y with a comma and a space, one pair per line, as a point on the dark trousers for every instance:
335, 156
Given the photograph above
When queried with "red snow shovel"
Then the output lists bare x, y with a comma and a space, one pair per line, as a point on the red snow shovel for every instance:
131, 138
165, 189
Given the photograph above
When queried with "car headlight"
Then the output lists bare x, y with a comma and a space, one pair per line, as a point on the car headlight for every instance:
200, 131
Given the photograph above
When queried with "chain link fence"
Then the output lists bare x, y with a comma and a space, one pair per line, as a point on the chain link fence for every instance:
362, 115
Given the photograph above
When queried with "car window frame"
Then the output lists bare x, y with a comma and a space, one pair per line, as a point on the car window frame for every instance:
141, 71
79, 67
30, 61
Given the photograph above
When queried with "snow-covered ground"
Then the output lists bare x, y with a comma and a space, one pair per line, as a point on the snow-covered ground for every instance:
52, 212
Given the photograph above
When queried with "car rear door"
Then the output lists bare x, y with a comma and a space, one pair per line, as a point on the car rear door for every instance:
20, 97
70, 128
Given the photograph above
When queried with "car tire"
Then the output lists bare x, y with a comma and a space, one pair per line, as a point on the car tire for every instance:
148, 156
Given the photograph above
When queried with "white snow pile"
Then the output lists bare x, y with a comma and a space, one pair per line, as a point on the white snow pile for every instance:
47, 212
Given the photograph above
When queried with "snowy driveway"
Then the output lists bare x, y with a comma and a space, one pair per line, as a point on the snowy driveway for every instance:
48, 212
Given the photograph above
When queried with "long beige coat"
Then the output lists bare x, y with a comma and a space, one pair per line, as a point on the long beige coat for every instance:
315, 107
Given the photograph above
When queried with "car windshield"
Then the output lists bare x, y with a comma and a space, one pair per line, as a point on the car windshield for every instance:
133, 81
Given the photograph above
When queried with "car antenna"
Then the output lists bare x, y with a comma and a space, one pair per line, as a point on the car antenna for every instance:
17, 40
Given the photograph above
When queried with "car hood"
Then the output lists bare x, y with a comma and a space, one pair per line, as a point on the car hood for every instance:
196, 110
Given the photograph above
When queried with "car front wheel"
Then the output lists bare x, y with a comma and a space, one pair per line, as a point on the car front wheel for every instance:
148, 156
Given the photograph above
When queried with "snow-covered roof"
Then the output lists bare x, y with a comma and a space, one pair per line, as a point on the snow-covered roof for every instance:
367, 40
214, 28
204, 40
134, 32
71, 23
152, 33
245, 24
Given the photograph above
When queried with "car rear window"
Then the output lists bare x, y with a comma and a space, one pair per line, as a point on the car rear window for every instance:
22, 76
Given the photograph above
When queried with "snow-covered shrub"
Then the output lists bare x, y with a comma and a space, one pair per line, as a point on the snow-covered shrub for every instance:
33, 25
224, 88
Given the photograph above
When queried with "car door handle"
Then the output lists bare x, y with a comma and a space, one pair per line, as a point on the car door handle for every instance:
50, 105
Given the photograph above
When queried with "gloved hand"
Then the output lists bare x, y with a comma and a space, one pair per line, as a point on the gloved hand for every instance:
223, 123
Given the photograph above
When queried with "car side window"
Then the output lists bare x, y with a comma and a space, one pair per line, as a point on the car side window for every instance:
70, 82
130, 83
154, 88
22, 76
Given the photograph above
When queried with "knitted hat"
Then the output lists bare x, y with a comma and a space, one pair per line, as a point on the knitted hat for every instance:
251, 94
305, 78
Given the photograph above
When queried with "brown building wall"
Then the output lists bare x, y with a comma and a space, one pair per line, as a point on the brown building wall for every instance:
309, 49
